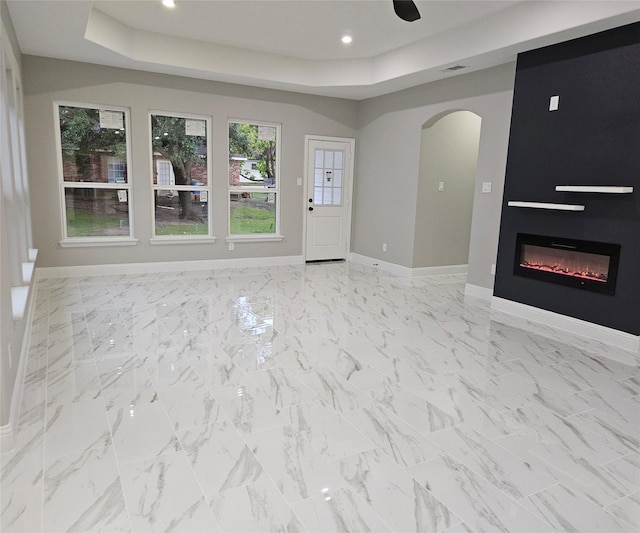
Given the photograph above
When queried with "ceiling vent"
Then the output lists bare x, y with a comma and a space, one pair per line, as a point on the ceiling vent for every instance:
454, 68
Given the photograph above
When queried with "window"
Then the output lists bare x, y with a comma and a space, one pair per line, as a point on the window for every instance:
181, 177
328, 167
254, 182
95, 188
15, 208
117, 169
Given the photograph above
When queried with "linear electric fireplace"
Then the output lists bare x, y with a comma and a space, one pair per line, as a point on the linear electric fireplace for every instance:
582, 264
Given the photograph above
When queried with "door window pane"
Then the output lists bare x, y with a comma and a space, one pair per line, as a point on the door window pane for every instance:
328, 177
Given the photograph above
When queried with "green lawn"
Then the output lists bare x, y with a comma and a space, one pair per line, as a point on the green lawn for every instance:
183, 229
246, 219
85, 224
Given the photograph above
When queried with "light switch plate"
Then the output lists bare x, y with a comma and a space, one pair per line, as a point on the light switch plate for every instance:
441, 186
554, 103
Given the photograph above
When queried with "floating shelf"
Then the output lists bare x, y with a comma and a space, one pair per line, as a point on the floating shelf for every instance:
605, 189
541, 205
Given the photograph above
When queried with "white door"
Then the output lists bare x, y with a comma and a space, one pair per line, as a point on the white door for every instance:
328, 201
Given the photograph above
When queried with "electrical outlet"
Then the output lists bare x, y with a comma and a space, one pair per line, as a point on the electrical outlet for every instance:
384, 246
299, 182
493, 269
486, 186
232, 246
554, 103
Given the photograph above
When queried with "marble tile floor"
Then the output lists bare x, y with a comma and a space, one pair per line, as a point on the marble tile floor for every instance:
313, 398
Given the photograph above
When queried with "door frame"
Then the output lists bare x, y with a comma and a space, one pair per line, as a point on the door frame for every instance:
349, 189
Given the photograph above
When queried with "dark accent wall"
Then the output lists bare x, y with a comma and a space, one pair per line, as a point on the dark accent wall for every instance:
592, 139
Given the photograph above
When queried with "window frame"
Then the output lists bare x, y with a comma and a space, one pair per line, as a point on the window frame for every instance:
276, 190
118, 240
15, 203
181, 239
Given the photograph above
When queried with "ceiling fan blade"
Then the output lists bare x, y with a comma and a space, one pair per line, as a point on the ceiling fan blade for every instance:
406, 10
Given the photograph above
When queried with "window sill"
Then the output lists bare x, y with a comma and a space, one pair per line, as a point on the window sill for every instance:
255, 238
82, 242
27, 272
174, 239
19, 297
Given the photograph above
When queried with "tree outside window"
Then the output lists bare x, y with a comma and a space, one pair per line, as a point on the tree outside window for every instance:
95, 186
180, 175
253, 178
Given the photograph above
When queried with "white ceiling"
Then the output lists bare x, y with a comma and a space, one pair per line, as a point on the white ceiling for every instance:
295, 44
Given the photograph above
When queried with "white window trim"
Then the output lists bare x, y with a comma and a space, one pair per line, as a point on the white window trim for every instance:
78, 242
81, 242
257, 237
182, 239
13, 172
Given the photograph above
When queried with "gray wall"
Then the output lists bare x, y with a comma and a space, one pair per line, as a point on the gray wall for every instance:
388, 156
448, 155
388, 130
47, 80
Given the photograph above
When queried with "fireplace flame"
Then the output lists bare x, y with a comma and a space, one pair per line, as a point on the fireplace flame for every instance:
593, 267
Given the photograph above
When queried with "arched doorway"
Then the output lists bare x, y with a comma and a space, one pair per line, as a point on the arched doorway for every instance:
446, 187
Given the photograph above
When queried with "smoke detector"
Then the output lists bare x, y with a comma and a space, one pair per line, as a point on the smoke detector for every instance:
454, 68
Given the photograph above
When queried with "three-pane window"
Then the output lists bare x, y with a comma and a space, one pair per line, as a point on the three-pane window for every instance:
95, 181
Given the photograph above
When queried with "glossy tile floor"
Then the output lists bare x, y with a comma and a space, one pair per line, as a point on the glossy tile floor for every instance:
313, 398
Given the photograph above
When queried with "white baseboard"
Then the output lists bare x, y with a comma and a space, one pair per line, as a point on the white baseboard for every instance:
438, 270
166, 266
476, 291
595, 332
385, 266
8, 431
406, 272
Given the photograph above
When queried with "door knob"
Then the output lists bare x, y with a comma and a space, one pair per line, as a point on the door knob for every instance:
310, 208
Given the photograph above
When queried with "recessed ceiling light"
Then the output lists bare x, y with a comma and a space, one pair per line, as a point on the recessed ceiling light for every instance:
168, 3
347, 39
